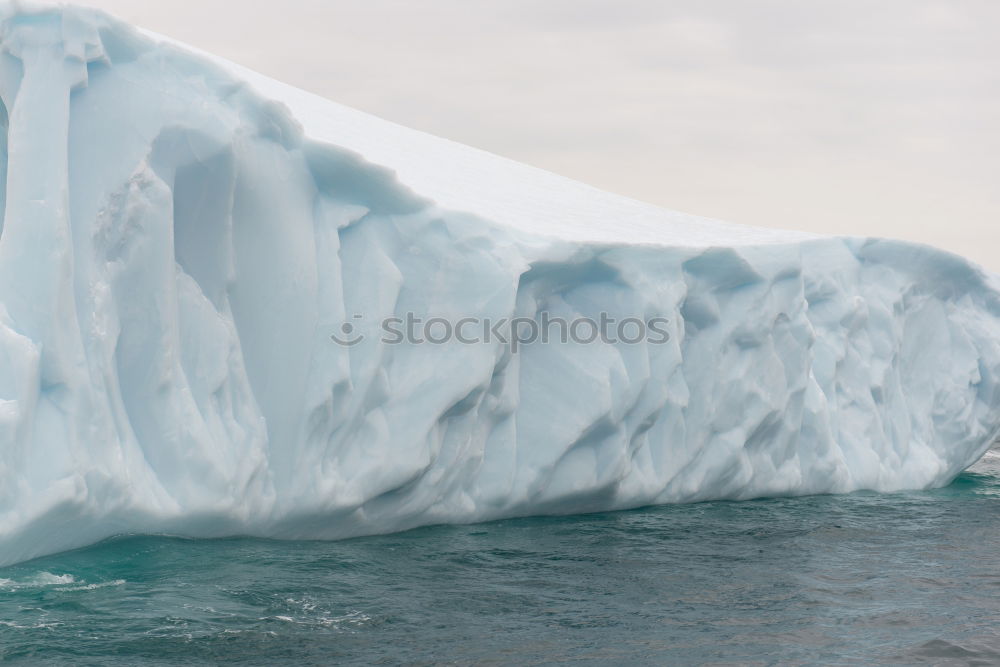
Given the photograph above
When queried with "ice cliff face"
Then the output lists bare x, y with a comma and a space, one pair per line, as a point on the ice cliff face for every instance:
176, 252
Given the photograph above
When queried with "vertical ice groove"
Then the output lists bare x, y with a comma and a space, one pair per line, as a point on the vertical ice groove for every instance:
37, 231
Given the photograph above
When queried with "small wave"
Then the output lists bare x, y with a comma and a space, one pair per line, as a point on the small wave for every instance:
305, 604
39, 580
63, 582
49, 579
354, 618
32, 626
237, 631
347, 621
102, 584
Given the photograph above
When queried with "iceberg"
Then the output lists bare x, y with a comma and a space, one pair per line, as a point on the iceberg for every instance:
186, 244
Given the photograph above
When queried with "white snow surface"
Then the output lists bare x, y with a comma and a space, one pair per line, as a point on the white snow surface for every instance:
181, 237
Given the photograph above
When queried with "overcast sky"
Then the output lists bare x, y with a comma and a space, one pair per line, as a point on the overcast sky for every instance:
875, 117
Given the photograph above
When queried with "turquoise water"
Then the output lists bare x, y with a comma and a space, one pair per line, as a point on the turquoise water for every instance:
896, 579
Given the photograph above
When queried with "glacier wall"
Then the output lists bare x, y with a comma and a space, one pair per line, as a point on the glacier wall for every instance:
176, 252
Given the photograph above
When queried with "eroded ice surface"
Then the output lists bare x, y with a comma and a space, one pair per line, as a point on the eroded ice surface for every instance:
181, 237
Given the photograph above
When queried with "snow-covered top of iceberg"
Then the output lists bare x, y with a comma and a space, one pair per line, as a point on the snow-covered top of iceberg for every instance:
510, 193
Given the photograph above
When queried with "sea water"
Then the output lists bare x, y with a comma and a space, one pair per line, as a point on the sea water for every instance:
858, 579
